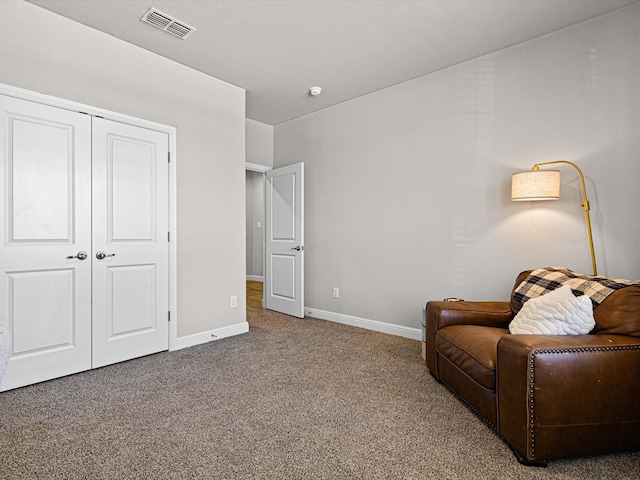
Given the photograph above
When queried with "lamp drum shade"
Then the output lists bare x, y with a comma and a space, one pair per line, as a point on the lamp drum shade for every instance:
535, 185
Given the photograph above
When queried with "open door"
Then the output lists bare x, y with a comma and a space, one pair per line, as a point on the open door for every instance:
284, 232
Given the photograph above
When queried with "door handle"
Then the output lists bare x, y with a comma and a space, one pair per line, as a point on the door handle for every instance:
80, 256
297, 247
100, 255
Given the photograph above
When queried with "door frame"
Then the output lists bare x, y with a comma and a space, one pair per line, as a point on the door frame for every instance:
51, 101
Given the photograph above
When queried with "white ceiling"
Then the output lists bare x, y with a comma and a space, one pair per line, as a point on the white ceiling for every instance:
277, 49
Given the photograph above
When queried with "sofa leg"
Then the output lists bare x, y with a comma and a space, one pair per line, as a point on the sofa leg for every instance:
524, 461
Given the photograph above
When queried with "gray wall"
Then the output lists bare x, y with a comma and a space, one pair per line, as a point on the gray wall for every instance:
259, 138
47, 53
407, 189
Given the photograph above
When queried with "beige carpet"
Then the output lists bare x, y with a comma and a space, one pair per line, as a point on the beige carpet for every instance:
292, 399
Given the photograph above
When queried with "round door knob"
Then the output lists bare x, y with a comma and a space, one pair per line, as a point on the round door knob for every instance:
79, 256
101, 255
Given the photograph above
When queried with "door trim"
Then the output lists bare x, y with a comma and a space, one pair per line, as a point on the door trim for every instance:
254, 167
51, 101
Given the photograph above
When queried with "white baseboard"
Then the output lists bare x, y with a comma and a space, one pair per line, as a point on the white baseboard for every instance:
257, 278
407, 332
211, 335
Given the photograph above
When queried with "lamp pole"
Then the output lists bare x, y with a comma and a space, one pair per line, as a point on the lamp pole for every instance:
584, 205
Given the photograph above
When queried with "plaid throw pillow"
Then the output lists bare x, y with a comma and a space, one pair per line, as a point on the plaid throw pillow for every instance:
544, 280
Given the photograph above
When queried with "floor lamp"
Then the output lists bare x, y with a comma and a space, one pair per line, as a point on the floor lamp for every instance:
545, 185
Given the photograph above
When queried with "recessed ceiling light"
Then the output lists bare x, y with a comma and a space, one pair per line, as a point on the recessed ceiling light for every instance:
315, 91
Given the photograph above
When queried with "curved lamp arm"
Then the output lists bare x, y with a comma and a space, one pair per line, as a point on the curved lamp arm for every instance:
584, 205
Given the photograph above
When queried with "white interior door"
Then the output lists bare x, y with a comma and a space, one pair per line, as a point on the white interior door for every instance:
45, 224
130, 242
284, 249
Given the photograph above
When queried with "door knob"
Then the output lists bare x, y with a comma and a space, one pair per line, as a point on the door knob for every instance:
100, 255
80, 256
297, 247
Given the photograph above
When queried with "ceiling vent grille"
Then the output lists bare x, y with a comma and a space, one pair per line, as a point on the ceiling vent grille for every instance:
167, 23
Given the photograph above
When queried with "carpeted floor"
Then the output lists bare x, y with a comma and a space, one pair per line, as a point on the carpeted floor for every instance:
292, 399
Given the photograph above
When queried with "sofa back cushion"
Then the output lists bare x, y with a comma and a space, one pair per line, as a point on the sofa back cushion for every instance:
515, 303
618, 314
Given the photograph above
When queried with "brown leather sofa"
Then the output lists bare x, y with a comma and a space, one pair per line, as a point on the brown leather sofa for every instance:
547, 396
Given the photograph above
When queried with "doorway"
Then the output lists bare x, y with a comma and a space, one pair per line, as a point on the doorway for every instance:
254, 239
255, 225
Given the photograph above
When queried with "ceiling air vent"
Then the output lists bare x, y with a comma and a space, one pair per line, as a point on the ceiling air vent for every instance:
167, 23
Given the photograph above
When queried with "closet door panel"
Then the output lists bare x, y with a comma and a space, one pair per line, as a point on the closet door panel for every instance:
131, 224
45, 286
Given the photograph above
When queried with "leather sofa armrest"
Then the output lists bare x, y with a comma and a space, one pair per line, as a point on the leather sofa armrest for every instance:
568, 395
488, 314
441, 314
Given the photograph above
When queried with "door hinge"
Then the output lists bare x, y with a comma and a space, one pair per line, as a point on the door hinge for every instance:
169, 316
169, 157
168, 236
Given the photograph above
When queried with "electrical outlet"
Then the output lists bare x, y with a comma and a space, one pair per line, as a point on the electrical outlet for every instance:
336, 292
233, 301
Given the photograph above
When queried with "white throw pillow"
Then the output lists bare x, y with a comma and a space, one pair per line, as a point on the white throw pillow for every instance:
558, 312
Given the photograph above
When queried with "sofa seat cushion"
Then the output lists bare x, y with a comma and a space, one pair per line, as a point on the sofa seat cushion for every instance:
473, 349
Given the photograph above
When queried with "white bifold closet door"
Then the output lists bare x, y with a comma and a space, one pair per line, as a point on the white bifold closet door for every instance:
84, 253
